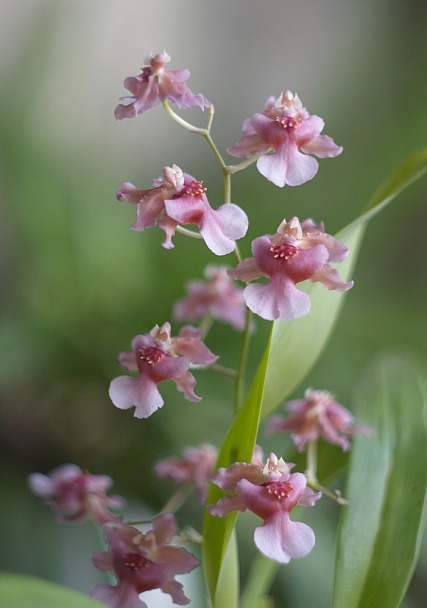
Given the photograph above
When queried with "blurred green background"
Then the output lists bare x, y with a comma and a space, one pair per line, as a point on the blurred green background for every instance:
77, 284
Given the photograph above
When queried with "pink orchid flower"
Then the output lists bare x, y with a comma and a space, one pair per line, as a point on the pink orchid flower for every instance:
142, 562
195, 467
297, 252
76, 495
317, 416
156, 84
287, 128
180, 199
271, 492
156, 357
217, 297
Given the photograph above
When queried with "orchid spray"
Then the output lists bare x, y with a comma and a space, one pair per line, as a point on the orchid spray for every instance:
285, 282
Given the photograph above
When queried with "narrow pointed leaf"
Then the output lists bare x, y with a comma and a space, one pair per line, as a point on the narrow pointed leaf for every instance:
18, 591
381, 529
296, 345
238, 446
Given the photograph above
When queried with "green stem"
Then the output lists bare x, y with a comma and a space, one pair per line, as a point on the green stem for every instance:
259, 580
190, 233
173, 505
311, 474
246, 163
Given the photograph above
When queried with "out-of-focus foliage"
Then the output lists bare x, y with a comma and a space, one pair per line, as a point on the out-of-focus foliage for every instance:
77, 284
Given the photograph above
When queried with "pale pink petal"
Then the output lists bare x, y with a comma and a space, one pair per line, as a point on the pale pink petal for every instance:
287, 166
226, 478
126, 392
308, 130
248, 145
40, 485
278, 299
282, 539
322, 146
212, 229
189, 343
165, 528
330, 278
246, 271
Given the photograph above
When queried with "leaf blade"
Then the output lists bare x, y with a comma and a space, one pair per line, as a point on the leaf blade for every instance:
378, 540
237, 447
19, 591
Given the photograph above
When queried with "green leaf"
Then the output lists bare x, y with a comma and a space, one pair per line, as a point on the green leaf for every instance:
238, 446
227, 593
381, 529
18, 591
296, 345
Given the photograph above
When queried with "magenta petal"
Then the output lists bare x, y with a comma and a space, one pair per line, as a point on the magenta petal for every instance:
281, 539
122, 596
227, 478
225, 505
186, 384
141, 392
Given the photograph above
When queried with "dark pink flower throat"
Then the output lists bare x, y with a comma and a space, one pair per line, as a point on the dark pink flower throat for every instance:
135, 561
151, 354
194, 189
284, 251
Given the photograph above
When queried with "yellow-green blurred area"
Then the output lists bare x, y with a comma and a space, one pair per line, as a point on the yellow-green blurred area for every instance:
78, 285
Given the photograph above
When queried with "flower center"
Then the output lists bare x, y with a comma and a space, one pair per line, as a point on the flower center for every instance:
284, 251
194, 189
288, 122
151, 354
279, 489
135, 561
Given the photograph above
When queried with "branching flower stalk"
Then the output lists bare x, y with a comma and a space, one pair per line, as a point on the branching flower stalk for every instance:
281, 140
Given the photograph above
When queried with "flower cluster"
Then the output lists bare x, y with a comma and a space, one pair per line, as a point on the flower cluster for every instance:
281, 140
